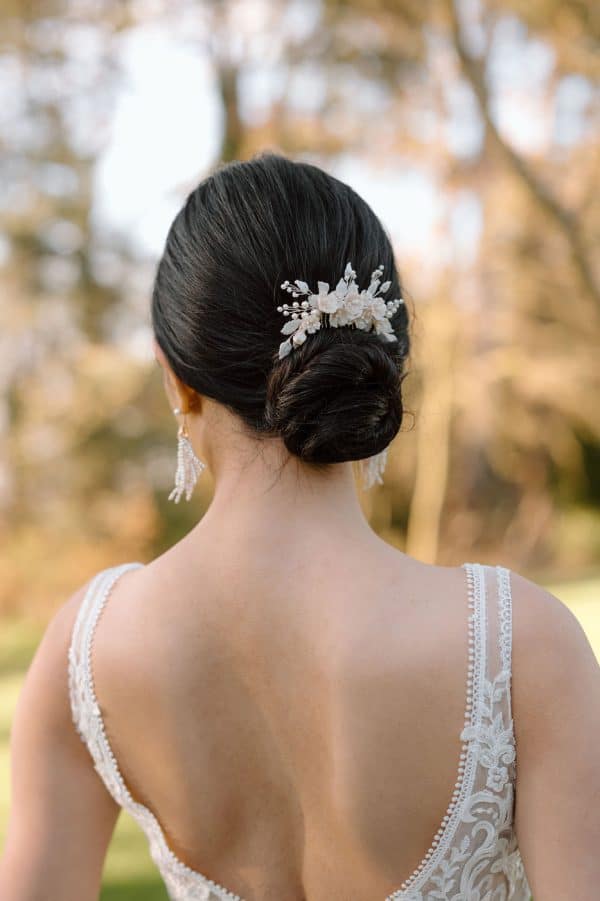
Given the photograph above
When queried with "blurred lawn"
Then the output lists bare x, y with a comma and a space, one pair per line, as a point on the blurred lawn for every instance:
129, 872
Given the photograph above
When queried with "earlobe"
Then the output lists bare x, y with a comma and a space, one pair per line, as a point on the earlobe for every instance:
194, 401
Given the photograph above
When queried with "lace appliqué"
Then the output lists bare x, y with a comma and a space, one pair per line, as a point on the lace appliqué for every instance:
480, 859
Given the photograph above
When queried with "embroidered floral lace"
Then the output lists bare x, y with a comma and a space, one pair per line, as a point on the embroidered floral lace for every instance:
474, 854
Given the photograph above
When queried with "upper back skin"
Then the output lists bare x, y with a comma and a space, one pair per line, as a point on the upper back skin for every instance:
299, 731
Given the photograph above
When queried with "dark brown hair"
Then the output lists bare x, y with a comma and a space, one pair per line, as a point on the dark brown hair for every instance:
244, 230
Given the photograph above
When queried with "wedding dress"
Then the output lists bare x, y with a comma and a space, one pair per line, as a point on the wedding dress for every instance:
473, 856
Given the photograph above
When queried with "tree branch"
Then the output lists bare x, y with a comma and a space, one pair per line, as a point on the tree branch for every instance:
567, 223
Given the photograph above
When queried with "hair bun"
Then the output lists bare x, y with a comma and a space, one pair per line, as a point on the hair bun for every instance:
337, 397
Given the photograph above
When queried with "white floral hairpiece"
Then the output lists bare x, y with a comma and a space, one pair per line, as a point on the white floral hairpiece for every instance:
345, 305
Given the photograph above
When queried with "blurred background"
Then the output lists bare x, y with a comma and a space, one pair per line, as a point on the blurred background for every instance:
472, 130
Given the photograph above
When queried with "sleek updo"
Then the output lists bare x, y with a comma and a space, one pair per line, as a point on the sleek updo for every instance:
243, 231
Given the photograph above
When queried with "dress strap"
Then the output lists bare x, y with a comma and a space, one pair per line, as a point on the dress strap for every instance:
452, 825
85, 710
505, 626
181, 881
495, 732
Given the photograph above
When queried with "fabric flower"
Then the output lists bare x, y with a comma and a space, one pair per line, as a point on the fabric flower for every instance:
497, 778
345, 305
329, 302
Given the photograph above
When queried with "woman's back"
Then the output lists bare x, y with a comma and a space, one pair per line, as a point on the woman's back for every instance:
295, 709
302, 724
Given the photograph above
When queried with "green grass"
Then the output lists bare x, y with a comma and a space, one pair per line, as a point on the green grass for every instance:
129, 872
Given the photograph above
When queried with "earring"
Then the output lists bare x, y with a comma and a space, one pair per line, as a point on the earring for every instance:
189, 467
372, 469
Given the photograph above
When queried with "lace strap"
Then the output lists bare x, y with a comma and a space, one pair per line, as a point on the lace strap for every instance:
505, 622
467, 761
77, 655
85, 710
88, 720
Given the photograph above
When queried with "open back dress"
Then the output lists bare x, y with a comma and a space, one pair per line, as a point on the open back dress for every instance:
474, 854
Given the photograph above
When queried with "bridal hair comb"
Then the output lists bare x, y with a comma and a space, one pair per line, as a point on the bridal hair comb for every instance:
345, 305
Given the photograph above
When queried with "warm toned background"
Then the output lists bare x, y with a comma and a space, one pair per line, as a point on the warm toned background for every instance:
472, 129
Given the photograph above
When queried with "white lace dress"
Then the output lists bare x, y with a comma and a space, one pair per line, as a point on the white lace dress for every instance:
473, 855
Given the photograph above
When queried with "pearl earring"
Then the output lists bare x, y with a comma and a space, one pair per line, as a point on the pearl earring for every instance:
189, 467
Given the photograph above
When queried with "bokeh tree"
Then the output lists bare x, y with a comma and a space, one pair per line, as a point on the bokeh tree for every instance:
502, 453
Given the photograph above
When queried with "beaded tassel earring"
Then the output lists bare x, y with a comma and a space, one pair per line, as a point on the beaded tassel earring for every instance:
373, 468
189, 467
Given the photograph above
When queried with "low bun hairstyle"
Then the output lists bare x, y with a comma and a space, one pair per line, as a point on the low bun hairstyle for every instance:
339, 399
243, 231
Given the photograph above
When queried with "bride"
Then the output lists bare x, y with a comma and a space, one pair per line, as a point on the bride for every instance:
291, 708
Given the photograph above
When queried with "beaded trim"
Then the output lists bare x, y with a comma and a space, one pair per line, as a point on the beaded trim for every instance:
473, 709
505, 636
86, 622
505, 616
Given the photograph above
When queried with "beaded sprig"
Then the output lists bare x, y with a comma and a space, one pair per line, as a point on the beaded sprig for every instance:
345, 305
189, 467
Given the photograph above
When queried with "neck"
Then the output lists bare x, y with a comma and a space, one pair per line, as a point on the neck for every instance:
263, 499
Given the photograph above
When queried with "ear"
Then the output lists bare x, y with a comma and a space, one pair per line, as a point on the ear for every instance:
170, 380
158, 353
178, 393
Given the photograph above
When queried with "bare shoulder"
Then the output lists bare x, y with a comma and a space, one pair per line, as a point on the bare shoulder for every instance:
51, 652
545, 627
554, 665
62, 619
48, 666
556, 719
43, 699
537, 609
